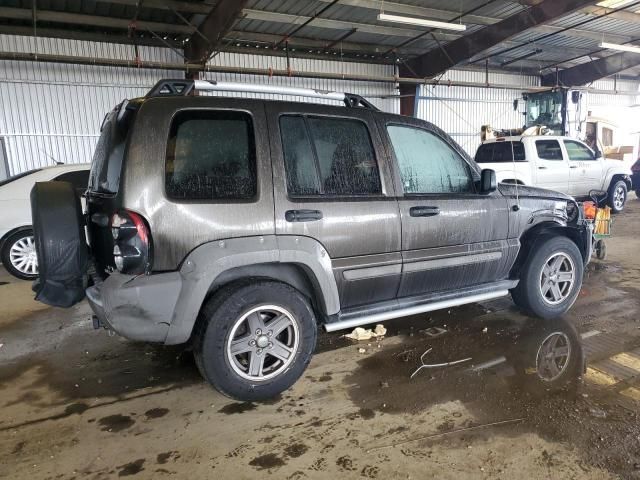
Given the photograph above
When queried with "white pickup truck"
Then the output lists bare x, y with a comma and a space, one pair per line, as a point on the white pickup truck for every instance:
556, 163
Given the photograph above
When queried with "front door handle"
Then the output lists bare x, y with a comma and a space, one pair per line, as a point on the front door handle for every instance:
302, 215
573, 166
424, 211
542, 168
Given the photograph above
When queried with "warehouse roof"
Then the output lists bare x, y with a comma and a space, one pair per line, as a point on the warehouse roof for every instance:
531, 36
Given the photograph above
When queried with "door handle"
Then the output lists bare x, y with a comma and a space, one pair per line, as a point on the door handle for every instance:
542, 168
573, 166
424, 211
302, 215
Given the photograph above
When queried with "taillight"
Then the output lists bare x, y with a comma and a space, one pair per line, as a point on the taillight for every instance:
132, 245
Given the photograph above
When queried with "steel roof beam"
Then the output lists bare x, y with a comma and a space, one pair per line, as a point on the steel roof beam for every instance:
86, 36
377, 29
591, 71
170, 5
92, 20
439, 60
216, 24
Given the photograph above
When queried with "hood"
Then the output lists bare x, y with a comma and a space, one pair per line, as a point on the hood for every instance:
510, 190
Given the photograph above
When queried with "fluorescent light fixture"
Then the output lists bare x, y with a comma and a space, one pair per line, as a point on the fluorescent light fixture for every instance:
622, 48
423, 22
614, 3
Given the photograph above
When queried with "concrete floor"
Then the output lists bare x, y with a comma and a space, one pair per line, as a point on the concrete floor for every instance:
79, 404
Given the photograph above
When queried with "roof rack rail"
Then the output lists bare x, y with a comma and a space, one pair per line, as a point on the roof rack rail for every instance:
178, 87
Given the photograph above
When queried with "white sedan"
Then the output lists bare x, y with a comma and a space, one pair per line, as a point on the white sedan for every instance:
17, 248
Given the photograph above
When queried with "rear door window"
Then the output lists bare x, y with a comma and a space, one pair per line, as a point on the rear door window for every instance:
328, 156
211, 155
499, 152
549, 150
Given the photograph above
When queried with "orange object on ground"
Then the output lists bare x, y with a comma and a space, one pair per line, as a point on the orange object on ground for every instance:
589, 210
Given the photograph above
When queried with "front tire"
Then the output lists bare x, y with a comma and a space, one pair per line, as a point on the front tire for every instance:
549, 359
617, 196
550, 279
19, 255
255, 339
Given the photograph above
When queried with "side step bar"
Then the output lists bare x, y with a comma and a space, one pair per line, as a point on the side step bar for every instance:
413, 310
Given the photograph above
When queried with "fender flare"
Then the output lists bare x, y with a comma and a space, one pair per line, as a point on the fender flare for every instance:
613, 172
207, 262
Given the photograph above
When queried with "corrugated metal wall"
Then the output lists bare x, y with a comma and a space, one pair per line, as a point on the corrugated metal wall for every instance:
52, 112
370, 90
461, 111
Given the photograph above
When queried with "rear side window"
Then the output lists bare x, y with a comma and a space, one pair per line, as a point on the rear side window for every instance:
499, 152
211, 155
548, 149
328, 156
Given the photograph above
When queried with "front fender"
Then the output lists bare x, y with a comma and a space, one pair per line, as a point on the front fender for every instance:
616, 171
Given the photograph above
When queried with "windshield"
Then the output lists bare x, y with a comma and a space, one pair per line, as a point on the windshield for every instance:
545, 108
107, 158
18, 176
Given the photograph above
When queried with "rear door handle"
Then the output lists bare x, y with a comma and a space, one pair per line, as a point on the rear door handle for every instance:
302, 215
424, 211
542, 168
573, 166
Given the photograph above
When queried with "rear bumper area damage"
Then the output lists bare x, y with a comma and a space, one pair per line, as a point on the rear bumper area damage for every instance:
139, 308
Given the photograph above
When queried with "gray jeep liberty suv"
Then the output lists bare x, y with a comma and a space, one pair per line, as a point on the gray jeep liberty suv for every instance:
241, 225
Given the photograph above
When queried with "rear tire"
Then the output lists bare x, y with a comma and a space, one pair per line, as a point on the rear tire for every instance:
255, 339
19, 255
617, 196
551, 279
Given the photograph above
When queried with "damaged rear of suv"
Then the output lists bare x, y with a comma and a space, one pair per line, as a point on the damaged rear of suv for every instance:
240, 226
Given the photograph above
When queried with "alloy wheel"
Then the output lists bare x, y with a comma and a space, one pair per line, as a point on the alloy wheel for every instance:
557, 278
553, 356
618, 197
263, 342
22, 255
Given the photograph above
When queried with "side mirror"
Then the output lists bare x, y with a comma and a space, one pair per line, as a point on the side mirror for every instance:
488, 181
597, 153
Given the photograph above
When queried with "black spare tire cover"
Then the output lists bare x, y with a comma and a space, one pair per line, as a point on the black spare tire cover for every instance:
61, 246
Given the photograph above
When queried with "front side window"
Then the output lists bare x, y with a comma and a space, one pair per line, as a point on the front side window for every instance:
211, 155
577, 151
548, 150
427, 163
328, 156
